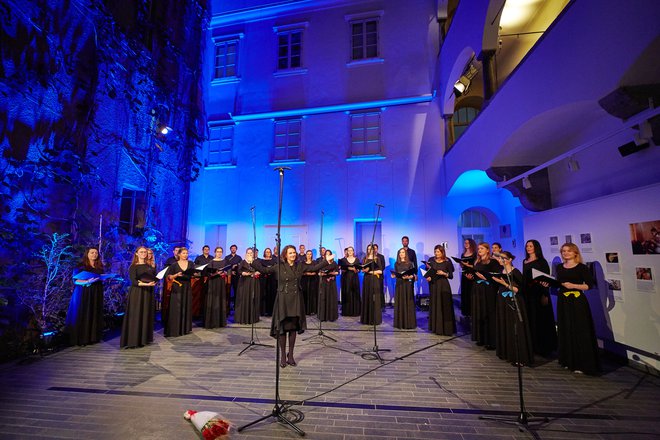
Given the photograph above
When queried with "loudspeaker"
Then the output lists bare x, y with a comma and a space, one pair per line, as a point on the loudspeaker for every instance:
632, 147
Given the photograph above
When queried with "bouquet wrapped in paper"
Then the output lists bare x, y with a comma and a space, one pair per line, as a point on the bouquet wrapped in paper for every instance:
209, 423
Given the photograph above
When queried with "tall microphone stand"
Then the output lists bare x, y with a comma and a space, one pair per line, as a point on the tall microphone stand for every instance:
252, 342
320, 336
374, 353
279, 409
523, 419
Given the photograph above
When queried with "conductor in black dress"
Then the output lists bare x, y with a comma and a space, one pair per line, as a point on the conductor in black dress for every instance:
289, 311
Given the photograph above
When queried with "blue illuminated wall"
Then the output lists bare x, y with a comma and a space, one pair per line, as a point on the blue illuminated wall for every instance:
408, 177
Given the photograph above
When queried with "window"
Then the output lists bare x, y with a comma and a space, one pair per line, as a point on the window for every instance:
226, 59
287, 140
289, 50
364, 39
132, 210
221, 143
463, 117
473, 219
365, 134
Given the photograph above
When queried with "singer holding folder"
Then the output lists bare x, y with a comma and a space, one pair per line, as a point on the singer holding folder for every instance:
372, 309
404, 302
578, 348
440, 270
178, 319
215, 306
483, 298
137, 329
350, 284
84, 319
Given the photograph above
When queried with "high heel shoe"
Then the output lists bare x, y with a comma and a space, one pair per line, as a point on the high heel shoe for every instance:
291, 361
283, 362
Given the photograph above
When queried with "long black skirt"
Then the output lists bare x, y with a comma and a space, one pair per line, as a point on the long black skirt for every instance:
137, 329
442, 319
578, 348
179, 313
84, 319
215, 304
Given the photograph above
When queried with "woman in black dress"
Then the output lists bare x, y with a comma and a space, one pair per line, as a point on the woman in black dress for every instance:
179, 314
405, 316
268, 284
539, 306
328, 309
215, 305
248, 293
289, 311
138, 327
350, 284
310, 284
483, 298
466, 283
372, 309
578, 348
514, 341
84, 319
442, 320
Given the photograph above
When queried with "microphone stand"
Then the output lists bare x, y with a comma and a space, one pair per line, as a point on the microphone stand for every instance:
523, 419
252, 342
374, 353
320, 336
279, 409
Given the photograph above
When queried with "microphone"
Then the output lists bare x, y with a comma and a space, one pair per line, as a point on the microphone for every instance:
282, 168
252, 208
378, 204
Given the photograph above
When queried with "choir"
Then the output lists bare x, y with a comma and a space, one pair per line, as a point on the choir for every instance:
508, 310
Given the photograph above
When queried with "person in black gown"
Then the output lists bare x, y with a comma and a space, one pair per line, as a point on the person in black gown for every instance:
84, 319
328, 308
248, 294
383, 265
405, 316
350, 284
372, 309
178, 320
215, 304
539, 306
310, 284
289, 312
138, 326
514, 342
483, 298
578, 348
234, 259
469, 252
442, 320
268, 284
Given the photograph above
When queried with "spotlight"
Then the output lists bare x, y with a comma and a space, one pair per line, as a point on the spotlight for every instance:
163, 129
644, 135
526, 183
573, 165
462, 86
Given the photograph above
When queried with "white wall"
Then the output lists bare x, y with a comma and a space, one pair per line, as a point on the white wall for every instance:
633, 321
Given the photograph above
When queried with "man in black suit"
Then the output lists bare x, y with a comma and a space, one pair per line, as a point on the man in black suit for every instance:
205, 258
412, 256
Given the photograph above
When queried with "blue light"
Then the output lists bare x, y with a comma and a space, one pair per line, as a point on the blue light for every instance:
473, 182
119, 314
47, 334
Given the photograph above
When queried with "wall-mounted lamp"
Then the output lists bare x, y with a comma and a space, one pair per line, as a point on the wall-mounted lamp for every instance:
644, 134
526, 183
462, 86
573, 164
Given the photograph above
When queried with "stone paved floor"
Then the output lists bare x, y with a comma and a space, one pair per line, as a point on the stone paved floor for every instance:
429, 387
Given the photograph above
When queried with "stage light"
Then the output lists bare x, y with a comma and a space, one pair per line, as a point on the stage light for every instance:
644, 134
526, 183
462, 86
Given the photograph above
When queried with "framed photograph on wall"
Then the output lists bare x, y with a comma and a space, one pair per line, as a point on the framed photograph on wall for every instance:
612, 262
645, 238
554, 244
585, 242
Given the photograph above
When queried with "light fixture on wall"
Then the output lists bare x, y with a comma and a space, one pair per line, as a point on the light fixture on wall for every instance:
644, 134
462, 86
163, 129
573, 164
526, 183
